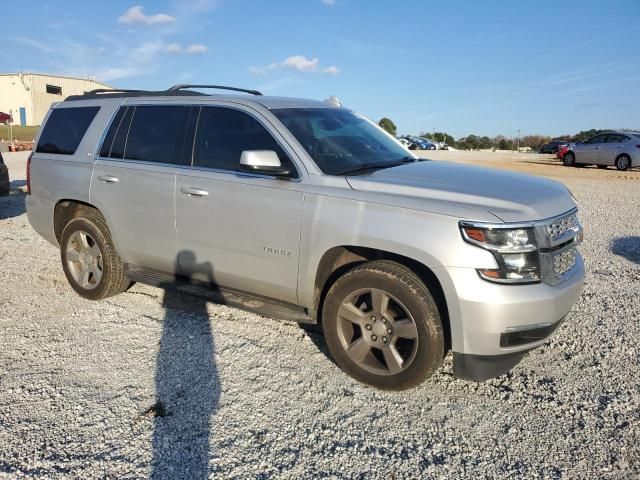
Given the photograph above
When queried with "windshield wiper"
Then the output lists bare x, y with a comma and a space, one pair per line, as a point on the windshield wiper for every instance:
365, 167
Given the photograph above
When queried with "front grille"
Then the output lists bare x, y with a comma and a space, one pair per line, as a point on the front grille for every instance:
558, 240
563, 226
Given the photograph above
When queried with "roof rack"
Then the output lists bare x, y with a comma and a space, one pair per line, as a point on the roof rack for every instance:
176, 90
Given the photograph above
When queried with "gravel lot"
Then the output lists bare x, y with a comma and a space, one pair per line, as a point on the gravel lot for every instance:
163, 385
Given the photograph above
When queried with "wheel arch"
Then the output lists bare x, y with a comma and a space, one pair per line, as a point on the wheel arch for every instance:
338, 260
67, 209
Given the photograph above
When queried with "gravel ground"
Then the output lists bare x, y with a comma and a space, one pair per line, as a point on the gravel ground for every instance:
164, 385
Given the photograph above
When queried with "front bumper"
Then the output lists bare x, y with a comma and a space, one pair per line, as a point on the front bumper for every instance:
498, 324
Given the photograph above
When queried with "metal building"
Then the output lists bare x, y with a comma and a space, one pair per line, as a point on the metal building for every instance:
27, 96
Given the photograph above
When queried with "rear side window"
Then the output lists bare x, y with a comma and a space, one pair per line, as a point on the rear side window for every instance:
64, 130
111, 134
617, 138
157, 134
223, 134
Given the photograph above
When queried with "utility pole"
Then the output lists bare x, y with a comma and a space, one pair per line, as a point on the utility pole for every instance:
518, 147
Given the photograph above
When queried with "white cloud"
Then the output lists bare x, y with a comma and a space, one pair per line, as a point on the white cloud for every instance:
136, 15
299, 63
329, 3
332, 70
196, 48
173, 48
33, 43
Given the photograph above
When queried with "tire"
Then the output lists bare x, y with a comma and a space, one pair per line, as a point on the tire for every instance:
395, 351
569, 159
95, 259
623, 162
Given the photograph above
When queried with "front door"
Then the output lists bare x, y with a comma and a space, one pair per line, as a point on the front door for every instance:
235, 229
589, 150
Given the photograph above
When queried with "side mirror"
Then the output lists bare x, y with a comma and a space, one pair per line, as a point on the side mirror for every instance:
263, 161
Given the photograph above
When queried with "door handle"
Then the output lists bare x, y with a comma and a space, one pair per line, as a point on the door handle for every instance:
196, 192
108, 179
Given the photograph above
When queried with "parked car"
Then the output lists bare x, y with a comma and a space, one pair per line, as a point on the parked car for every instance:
561, 151
553, 147
4, 177
5, 118
307, 211
621, 149
405, 142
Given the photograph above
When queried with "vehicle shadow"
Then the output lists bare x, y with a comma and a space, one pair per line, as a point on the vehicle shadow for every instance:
12, 205
314, 332
627, 247
186, 383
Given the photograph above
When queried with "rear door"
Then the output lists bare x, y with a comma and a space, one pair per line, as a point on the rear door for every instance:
613, 146
236, 229
589, 150
134, 181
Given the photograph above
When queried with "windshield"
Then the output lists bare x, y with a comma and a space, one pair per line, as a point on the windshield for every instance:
341, 141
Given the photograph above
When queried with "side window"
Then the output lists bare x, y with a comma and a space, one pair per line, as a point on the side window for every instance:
64, 130
596, 139
224, 133
157, 134
120, 140
105, 149
616, 138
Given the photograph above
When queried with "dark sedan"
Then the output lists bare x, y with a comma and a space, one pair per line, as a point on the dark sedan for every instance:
553, 147
4, 177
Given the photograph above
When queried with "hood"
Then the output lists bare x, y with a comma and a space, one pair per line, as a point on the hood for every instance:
512, 197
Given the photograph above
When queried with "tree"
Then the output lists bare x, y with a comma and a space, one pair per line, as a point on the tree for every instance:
388, 125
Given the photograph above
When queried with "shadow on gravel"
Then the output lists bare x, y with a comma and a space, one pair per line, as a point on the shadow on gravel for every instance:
627, 247
187, 385
314, 332
12, 205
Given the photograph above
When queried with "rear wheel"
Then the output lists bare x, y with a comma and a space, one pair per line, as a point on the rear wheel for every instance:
569, 159
90, 262
623, 162
382, 326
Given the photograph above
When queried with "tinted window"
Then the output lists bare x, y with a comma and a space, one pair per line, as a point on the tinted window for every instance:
108, 139
596, 139
120, 140
64, 130
157, 134
616, 138
223, 134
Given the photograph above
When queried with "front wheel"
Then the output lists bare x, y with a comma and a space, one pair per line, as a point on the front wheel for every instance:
569, 159
623, 162
382, 326
89, 259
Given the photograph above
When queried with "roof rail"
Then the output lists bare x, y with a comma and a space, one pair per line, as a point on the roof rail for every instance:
111, 90
177, 88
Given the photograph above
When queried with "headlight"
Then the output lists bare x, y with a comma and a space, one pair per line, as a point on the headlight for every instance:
515, 251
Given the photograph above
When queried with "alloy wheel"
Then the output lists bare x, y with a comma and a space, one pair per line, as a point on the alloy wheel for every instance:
377, 331
84, 260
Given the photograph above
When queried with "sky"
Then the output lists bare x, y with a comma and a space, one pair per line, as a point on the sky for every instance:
487, 68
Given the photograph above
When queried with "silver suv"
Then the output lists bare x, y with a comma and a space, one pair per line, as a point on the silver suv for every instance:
307, 211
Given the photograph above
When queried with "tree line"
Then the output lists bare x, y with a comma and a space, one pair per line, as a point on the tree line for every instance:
499, 142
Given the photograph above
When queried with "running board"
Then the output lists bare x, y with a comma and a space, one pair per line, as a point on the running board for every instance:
223, 296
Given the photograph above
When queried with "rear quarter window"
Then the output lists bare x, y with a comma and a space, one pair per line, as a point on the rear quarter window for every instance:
64, 130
